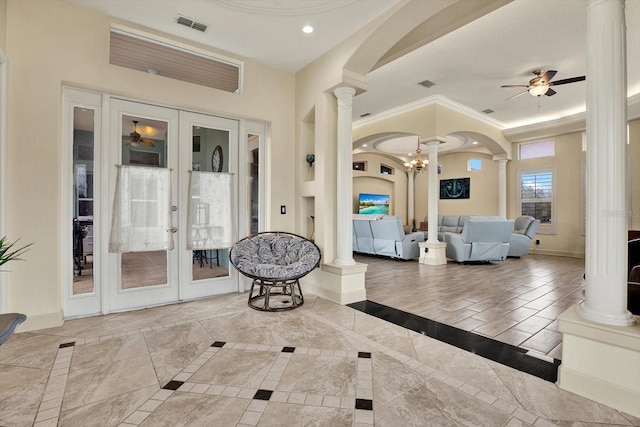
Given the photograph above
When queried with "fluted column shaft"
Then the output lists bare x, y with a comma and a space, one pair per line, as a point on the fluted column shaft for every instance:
502, 188
434, 191
344, 194
606, 236
411, 214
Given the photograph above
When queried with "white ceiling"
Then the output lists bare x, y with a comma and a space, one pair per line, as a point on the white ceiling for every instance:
468, 65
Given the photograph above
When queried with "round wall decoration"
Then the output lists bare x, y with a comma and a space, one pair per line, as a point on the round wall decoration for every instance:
216, 159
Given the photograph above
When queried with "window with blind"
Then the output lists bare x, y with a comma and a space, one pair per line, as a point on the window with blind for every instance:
537, 197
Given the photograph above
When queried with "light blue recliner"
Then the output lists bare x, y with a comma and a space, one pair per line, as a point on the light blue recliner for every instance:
384, 235
524, 229
482, 239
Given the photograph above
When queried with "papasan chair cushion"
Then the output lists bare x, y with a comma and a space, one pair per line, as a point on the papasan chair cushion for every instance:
275, 258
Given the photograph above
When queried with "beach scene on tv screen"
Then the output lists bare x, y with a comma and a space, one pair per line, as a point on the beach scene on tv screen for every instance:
373, 204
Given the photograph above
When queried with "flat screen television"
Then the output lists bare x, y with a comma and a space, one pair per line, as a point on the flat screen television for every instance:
373, 204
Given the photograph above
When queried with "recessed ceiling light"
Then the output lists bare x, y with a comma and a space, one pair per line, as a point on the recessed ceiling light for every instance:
308, 29
364, 145
474, 143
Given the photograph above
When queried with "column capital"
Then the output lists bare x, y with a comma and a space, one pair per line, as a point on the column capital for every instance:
344, 93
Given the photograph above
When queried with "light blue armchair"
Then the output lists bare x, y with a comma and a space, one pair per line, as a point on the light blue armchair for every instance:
482, 239
524, 230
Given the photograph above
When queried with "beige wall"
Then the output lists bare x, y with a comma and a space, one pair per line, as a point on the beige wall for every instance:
567, 161
372, 181
67, 45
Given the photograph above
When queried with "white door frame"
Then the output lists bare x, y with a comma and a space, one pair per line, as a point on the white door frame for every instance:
89, 303
99, 302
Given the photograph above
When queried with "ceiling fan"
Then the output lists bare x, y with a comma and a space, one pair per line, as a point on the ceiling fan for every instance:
541, 83
135, 139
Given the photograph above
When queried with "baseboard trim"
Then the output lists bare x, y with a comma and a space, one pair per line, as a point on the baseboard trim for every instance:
617, 397
41, 321
556, 253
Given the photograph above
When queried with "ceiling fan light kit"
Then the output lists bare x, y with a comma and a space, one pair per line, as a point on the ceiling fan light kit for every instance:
135, 139
541, 84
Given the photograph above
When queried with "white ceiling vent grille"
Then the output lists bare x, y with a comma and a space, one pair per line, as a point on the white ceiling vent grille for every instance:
183, 20
145, 54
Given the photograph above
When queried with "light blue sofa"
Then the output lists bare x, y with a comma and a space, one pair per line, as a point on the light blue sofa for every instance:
524, 230
384, 235
483, 238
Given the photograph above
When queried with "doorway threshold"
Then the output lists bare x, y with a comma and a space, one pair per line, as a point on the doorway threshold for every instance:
515, 357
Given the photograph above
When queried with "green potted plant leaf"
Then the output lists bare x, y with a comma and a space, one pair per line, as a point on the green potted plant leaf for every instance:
8, 251
10, 321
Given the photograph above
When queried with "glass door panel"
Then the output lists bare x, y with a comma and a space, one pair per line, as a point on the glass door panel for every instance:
208, 155
83, 171
144, 143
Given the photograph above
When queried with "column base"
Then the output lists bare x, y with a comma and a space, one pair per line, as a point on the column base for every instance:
433, 253
338, 283
622, 319
600, 362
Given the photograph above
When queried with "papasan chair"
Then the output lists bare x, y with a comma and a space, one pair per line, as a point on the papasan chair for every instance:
275, 261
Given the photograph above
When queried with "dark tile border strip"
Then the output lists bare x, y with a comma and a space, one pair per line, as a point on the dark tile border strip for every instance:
506, 354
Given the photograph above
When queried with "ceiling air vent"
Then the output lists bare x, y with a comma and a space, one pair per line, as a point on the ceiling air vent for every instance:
426, 83
182, 20
365, 114
488, 111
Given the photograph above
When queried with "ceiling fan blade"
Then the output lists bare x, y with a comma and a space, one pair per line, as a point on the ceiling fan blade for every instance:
517, 94
565, 81
548, 75
550, 92
514, 86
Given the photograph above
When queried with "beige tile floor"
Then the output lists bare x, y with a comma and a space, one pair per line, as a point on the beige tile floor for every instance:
515, 301
336, 363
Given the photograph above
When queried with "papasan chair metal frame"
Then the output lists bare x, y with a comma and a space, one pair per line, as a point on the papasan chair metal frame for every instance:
276, 261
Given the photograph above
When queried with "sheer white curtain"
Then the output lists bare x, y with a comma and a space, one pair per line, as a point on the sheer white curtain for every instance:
210, 211
141, 210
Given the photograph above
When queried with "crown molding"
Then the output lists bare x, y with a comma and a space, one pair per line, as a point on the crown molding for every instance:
572, 123
567, 124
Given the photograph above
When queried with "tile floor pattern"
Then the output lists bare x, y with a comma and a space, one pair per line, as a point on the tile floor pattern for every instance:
515, 301
217, 362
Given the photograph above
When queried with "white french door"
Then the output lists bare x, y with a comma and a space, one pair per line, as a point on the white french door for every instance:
143, 135
104, 132
208, 144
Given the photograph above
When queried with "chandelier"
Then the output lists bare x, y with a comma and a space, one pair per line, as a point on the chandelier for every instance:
417, 164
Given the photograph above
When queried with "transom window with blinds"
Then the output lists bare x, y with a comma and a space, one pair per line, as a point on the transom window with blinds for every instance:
537, 197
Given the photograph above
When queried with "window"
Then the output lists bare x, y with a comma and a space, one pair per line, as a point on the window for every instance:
534, 150
474, 165
386, 170
537, 197
359, 166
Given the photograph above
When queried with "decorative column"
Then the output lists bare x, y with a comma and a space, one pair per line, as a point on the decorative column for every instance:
344, 194
606, 233
432, 251
502, 187
600, 343
411, 214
